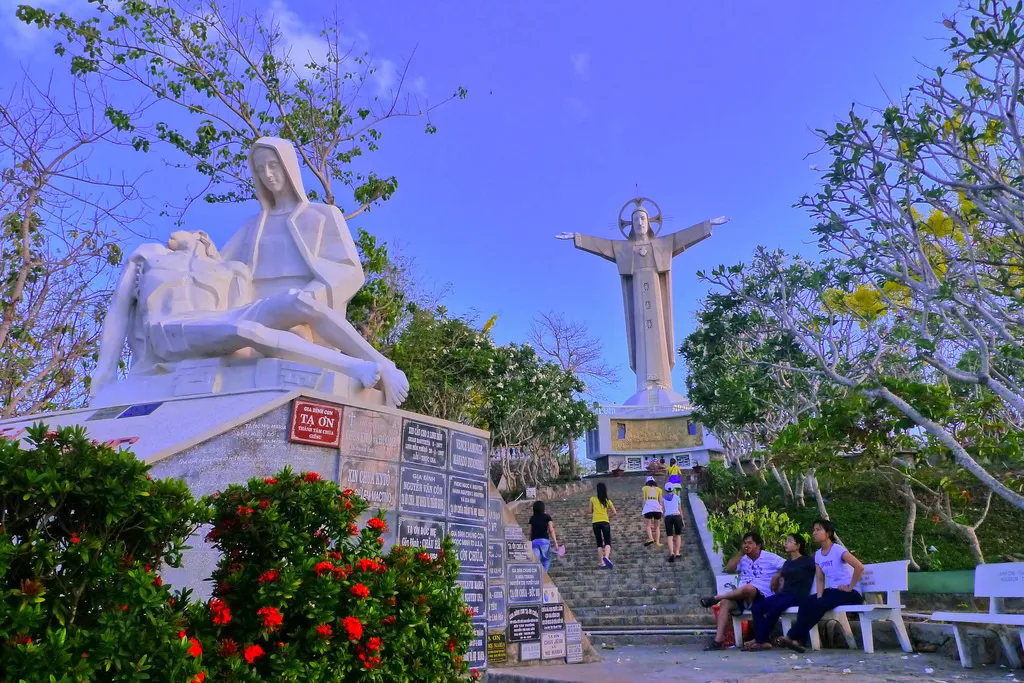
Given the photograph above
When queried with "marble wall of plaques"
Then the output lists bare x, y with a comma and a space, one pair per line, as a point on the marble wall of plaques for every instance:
431, 478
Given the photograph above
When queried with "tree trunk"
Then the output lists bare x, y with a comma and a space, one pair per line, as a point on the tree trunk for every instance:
812, 484
572, 459
787, 490
908, 526
799, 495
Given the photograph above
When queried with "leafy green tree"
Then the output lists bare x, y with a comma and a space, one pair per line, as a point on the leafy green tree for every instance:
221, 78
83, 533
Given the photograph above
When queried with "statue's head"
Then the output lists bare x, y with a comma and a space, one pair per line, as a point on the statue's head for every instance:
198, 241
275, 172
268, 167
641, 222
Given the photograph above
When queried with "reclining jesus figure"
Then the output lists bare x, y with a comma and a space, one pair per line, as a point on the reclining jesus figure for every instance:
185, 301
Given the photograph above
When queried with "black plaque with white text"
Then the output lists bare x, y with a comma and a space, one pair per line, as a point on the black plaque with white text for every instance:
424, 444
422, 492
415, 532
523, 623
469, 455
474, 593
470, 544
467, 499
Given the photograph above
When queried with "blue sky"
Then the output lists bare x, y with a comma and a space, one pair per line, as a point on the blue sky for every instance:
707, 108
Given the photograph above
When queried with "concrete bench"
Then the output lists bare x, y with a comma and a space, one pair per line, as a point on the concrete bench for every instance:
888, 578
995, 582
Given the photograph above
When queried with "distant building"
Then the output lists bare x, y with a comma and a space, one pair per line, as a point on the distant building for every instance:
629, 437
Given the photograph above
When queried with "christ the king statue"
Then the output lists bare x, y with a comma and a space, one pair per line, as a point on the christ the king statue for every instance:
644, 260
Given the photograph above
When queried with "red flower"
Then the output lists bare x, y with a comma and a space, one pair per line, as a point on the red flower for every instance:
324, 631
334, 555
393, 601
270, 480
269, 576
148, 568
264, 504
311, 477
196, 649
366, 564
22, 639
377, 524
228, 648
372, 662
347, 492
474, 674
272, 618
220, 613
244, 510
158, 582
322, 568
348, 504
252, 653
423, 557
374, 644
451, 646
353, 628
124, 608
342, 572
200, 677
212, 536
181, 634
469, 611
360, 591
388, 620
353, 530
30, 588
75, 539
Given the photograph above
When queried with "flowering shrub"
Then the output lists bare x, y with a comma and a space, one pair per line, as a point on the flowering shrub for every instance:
302, 592
82, 532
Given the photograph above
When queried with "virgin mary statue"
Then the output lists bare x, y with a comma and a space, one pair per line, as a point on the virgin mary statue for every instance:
644, 260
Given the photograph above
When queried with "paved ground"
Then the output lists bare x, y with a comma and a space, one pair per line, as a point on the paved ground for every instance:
630, 664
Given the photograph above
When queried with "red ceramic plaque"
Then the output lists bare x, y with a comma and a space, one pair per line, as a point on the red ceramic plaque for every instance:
315, 423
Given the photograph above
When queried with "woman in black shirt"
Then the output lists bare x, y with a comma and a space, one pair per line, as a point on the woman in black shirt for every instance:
791, 585
542, 533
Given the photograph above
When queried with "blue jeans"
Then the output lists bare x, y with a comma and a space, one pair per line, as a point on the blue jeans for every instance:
766, 613
813, 608
542, 549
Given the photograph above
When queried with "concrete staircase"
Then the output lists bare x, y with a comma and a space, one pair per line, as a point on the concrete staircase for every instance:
644, 599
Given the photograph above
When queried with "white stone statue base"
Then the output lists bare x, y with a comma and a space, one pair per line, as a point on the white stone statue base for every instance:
232, 375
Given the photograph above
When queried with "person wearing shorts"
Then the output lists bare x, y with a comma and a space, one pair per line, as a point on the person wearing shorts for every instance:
652, 511
757, 567
601, 509
673, 521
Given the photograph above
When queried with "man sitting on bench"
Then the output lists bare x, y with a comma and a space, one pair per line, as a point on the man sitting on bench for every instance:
756, 567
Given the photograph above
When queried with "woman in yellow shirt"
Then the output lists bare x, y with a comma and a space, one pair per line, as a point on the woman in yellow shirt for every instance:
600, 510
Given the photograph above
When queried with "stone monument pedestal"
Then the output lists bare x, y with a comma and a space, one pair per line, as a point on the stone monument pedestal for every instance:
213, 423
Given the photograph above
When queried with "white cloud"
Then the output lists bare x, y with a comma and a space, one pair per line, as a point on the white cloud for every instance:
20, 38
580, 64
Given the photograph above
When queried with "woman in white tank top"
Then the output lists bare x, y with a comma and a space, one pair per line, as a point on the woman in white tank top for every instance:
652, 511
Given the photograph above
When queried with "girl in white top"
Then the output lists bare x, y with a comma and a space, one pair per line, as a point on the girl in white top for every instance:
673, 521
652, 511
837, 573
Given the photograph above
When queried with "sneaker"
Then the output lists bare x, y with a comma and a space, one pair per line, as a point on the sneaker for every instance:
671, 558
648, 543
708, 602
714, 645
608, 563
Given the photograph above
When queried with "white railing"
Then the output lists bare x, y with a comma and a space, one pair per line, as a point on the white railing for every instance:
644, 410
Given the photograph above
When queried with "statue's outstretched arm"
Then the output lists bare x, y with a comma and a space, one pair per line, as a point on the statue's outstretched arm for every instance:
116, 324
594, 245
684, 239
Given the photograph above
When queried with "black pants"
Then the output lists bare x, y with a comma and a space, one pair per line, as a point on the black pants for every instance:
603, 533
766, 613
813, 608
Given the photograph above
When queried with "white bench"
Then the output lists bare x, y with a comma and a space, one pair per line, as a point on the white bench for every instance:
995, 582
889, 578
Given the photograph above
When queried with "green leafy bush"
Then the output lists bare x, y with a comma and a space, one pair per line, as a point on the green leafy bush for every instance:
82, 533
728, 529
303, 594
